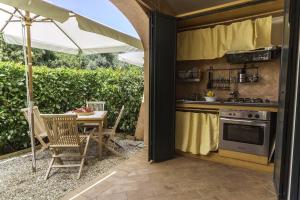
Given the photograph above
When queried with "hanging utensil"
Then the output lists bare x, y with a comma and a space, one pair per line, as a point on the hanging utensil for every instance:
210, 78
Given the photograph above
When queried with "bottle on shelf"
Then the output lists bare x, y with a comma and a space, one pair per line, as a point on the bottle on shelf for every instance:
242, 75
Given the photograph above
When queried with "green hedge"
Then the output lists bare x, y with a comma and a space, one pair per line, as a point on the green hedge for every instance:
59, 90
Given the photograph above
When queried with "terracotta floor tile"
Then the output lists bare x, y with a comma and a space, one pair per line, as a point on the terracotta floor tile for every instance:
97, 190
80, 197
119, 188
182, 178
118, 196
140, 193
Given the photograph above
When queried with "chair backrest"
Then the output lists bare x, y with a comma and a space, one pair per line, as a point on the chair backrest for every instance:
96, 105
118, 120
39, 127
61, 128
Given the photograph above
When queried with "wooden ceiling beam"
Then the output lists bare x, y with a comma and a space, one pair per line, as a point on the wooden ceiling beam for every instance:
251, 10
157, 5
145, 5
217, 7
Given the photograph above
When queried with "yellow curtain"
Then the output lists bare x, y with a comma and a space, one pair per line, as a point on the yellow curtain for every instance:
262, 34
211, 43
197, 133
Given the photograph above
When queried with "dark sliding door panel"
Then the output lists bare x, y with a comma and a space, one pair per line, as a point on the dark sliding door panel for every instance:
286, 180
162, 87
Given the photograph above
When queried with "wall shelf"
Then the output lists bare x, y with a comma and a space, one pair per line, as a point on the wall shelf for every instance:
230, 77
189, 80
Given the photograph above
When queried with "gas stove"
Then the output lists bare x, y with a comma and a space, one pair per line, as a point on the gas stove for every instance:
249, 100
245, 114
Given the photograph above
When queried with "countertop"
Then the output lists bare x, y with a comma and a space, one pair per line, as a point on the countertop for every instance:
186, 105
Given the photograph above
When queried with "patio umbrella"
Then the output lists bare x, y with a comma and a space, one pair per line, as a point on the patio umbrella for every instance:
134, 58
35, 23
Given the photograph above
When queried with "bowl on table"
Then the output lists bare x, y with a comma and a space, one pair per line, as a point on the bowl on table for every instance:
84, 111
210, 99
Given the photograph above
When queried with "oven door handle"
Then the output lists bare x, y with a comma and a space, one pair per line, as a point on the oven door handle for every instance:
264, 123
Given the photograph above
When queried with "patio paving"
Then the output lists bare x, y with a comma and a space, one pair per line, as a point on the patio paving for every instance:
177, 179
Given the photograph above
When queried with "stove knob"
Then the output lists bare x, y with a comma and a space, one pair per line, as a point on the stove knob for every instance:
257, 116
250, 116
230, 114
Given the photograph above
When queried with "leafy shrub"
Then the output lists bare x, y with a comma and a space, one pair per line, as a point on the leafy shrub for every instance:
62, 89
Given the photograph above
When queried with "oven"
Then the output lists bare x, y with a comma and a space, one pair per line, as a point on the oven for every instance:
245, 131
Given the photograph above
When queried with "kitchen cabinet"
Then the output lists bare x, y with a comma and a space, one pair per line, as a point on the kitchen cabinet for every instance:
197, 132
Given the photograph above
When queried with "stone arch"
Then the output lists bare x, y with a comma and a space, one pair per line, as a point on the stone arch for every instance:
140, 21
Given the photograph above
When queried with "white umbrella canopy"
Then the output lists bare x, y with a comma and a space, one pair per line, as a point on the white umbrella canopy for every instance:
72, 34
134, 58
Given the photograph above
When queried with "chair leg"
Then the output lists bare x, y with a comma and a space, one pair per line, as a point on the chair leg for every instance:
116, 143
49, 168
106, 139
40, 139
112, 150
84, 129
83, 155
80, 168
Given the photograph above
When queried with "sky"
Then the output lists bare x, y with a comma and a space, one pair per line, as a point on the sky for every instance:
102, 11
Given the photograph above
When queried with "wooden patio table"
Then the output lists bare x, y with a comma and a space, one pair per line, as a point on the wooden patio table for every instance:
99, 118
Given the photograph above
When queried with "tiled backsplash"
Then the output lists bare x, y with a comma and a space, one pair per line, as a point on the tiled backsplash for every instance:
267, 87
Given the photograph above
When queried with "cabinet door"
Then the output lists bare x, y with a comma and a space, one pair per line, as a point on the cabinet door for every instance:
162, 87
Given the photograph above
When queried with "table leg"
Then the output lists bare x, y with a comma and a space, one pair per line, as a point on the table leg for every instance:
100, 140
105, 122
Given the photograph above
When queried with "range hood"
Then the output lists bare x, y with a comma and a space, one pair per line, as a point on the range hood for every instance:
258, 55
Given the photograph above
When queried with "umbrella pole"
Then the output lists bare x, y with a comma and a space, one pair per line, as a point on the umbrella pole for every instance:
30, 87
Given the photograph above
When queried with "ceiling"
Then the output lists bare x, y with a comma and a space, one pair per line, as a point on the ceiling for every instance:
192, 13
180, 7
190, 8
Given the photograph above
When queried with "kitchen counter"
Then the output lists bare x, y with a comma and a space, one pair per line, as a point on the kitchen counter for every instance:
194, 105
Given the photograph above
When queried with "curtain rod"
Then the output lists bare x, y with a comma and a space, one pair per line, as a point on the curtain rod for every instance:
199, 110
275, 13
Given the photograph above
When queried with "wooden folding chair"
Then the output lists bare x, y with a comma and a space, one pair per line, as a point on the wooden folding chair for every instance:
40, 132
96, 105
63, 135
109, 134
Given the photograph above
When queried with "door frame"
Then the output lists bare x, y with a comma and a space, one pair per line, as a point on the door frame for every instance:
287, 165
293, 187
162, 87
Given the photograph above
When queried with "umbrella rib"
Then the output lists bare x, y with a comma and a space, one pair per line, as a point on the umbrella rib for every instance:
62, 30
36, 16
9, 19
7, 12
17, 20
20, 13
44, 19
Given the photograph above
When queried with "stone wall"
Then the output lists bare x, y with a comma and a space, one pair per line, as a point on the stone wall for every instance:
267, 87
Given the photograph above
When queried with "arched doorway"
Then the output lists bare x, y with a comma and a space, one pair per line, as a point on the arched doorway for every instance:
140, 21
